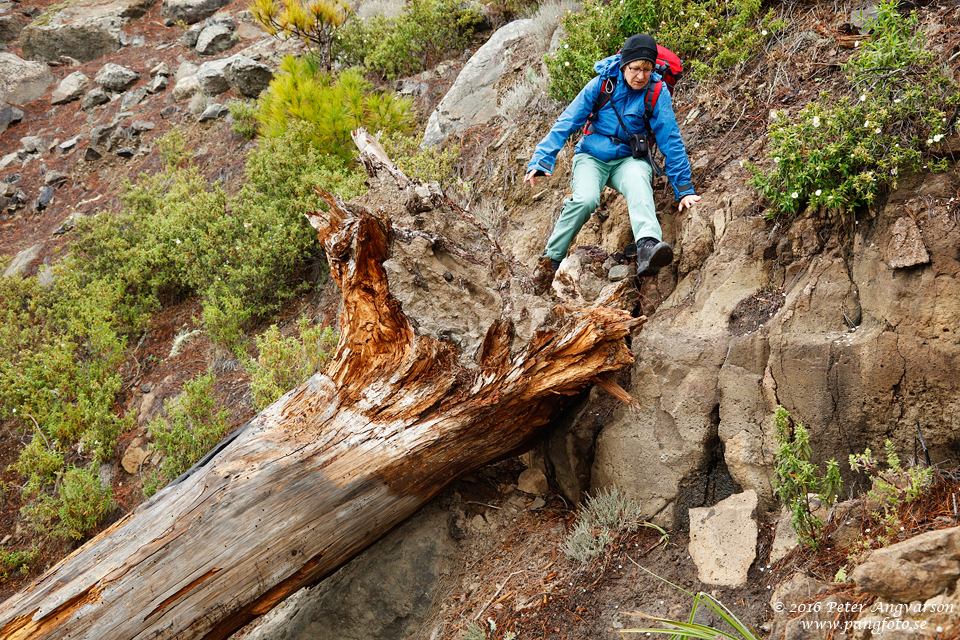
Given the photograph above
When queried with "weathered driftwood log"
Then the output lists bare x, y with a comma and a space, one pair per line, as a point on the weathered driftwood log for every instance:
336, 463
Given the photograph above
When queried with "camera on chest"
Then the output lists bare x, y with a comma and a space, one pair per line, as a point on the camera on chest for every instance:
638, 145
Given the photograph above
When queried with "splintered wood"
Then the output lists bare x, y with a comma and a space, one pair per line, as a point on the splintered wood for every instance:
333, 465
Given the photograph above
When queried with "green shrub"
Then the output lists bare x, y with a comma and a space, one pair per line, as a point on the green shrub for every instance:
426, 32
192, 428
284, 363
843, 155
708, 35
244, 114
74, 510
243, 255
796, 478
329, 107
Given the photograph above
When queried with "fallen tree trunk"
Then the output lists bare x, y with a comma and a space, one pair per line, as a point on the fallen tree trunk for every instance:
407, 406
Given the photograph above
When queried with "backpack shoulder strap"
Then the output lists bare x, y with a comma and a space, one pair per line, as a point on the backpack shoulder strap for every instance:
606, 90
653, 94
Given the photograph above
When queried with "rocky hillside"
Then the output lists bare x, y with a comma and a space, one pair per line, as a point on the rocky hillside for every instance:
847, 317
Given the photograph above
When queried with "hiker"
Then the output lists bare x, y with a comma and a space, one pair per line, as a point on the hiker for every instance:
604, 155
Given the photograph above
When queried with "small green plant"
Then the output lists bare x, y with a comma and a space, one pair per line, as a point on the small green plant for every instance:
691, 629
192, 428
711, 35
894, 485
797, 478
244, 113
72, 509
432, 164
17, 560
284, 363
600, 520
329, 107
893, 120
890, 489
426, 32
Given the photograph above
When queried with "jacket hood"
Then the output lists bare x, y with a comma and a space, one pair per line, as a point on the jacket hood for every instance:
608, 66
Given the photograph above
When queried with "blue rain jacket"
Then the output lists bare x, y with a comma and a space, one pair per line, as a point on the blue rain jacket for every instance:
599, 144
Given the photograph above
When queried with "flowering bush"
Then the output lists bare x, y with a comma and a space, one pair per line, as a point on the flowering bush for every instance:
895, 119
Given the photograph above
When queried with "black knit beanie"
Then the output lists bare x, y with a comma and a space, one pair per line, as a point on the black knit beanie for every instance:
638, 47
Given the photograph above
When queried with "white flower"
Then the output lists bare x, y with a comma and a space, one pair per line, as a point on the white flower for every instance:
816, 121
938, 137
794, 195
856, 44
566, 64
817, 192
776, 160
929, 141
178, 241
764, 32
896, 101
877, 130
863, 98
566, 46
893, 171
696, 24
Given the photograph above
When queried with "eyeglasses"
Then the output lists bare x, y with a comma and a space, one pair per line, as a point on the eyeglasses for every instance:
638, 69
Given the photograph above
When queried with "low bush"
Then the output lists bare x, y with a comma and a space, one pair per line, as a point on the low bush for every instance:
432, 164
426, 32
71, 510
192, 427
893, 120
17, 560
244, 114
284, 363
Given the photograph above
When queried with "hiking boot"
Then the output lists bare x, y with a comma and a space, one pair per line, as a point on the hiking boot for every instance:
543, 276
626, 256
652, 255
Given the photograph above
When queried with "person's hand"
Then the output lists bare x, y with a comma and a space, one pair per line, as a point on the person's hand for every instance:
688, 201
531, 177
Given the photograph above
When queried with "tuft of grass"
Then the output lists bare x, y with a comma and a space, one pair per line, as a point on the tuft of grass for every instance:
600, 520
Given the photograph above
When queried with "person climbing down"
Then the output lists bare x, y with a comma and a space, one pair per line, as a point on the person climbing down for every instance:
606, 155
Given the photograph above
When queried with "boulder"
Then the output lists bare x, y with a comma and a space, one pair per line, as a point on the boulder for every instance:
191, 35
70, 89
94, 98
249, 77
185, 88
191, 11
472, 100
132, 98
533, 481
723, 539
212, 76
213, 112
8, 116
214, 40
114, 77
21, 262
85, 31
915, 569
22, 81
157, 84
10, 28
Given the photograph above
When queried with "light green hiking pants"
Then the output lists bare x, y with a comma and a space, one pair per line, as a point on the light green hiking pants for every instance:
629, 176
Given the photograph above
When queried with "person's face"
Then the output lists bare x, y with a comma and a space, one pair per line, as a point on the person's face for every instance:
637, 73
